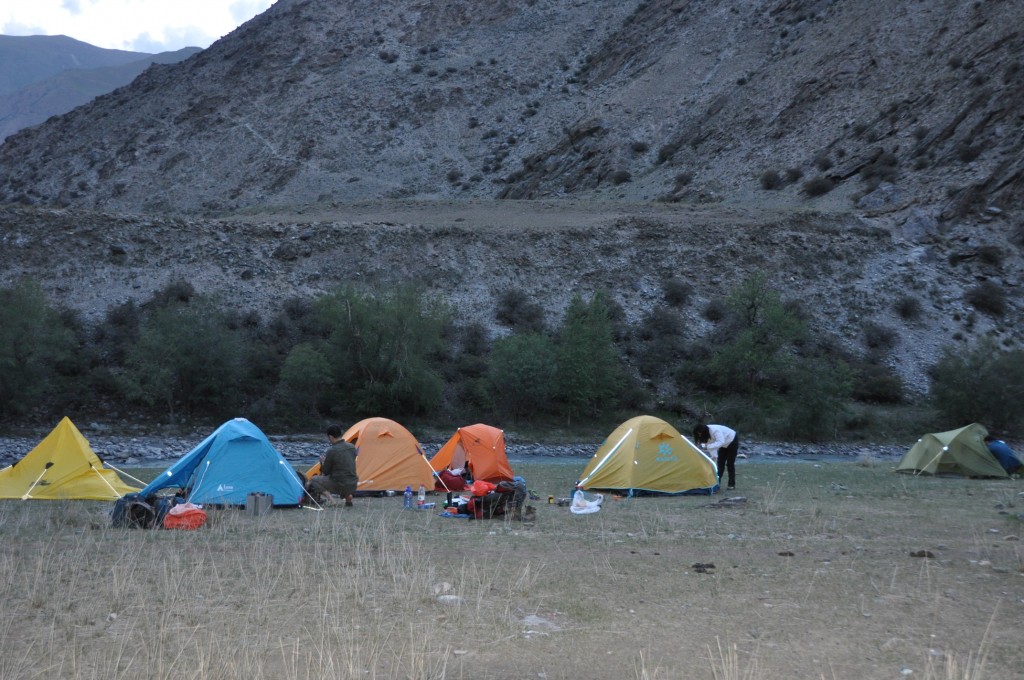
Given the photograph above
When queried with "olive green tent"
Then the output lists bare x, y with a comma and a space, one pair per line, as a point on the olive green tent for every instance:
958, 452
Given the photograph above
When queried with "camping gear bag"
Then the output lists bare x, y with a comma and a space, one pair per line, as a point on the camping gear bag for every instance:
132, 511
186, 516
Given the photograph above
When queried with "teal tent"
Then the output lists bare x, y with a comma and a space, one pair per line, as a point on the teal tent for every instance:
234, 461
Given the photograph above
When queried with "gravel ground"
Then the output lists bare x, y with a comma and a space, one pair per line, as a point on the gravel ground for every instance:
157, 452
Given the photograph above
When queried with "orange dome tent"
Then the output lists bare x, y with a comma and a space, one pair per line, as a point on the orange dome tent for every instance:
389, 457
481, 448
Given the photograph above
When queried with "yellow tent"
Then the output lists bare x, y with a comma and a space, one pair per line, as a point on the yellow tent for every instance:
646, 454
62, 466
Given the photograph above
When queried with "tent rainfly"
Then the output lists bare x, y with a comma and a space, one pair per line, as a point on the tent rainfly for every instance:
62, 466
481, 448
647, 455
388, 457
958, 452
234, 461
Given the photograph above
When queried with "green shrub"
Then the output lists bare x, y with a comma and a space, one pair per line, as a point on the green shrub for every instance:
879, 337
877, 384
794, 175
590, 373
822, 162
659, 343
187, 359
517, 310
666, 152
522, 374
993, 255
715, 310
984, 385
816, 403
987, 297
908, 307
621, 177
305, 377
677, 291
967, 152
384, 349
818, 186
34, 343
771, 180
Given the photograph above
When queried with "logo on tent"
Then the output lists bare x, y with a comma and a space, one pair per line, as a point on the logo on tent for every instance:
225, 487
665, 454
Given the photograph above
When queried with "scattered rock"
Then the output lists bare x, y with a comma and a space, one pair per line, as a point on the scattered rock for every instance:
450, 600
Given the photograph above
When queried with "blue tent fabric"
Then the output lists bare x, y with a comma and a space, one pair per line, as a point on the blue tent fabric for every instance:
234, 461
1005, 455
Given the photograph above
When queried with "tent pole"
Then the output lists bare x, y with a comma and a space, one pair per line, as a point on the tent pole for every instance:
201, 478
104, 480
28, 494
605, 459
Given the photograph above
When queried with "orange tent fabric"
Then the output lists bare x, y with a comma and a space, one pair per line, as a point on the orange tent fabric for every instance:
389, 457
481, 447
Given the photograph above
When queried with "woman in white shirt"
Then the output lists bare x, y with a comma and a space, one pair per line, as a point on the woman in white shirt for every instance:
722, 444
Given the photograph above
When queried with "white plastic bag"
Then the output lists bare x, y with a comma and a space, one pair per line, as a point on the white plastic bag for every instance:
581, 505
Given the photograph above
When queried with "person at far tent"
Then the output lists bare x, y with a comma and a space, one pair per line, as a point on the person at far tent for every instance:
722, 444
337, 470
1004, 454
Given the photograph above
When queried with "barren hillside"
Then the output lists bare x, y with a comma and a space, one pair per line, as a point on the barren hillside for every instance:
860, 152
320, 102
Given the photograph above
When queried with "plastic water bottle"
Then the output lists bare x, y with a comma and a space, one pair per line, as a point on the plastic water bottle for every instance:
407, 500
421, 497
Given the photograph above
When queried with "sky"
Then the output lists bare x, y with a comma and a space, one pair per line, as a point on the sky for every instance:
135, 25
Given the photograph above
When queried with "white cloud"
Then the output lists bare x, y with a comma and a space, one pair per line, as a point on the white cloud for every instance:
139, 25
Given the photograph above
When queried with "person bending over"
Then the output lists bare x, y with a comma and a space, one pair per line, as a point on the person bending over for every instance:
721, 443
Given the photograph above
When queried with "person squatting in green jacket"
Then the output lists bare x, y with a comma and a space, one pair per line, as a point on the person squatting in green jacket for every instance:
337, 470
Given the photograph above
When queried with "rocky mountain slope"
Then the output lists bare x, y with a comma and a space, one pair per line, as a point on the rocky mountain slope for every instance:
860, 152
318, 102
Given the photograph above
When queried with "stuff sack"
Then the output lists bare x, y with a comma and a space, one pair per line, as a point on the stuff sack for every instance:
186, 516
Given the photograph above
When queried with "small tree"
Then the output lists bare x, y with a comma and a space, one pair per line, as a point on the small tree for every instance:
384, 350
755, 351
590, 373
305, 376
187, 358
981, 385
34, 341
522, 374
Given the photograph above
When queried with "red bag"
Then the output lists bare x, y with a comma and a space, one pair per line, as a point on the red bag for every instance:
482, 488
185, 516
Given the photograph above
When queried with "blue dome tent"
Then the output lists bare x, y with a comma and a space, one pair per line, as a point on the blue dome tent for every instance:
234, 461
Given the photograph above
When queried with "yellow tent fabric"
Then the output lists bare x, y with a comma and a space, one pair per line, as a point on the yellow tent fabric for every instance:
646, 454
62, 466
960, 452
481, 447
389, 457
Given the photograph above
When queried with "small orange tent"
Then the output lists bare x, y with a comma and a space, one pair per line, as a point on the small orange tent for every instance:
389, 457
481, 448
